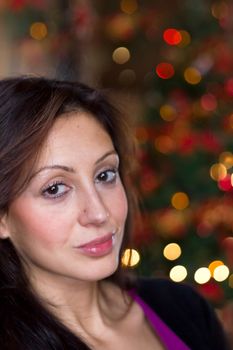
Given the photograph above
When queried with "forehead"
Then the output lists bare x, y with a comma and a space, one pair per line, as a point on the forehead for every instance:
76, 135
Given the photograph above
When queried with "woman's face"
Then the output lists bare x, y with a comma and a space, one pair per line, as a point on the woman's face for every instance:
69, 221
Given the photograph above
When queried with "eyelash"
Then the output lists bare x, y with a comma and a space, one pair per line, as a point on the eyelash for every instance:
114, 171
56, 184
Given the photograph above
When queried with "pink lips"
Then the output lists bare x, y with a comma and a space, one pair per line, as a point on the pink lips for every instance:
99, 246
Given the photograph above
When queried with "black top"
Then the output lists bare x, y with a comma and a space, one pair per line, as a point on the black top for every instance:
185, 312
179, 306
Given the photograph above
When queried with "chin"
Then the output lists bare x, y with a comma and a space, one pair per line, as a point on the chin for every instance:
104, 271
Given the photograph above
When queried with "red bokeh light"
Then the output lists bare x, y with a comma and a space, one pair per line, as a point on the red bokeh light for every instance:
172, 36
225, 183
165, 70
229, 86
209, 102
17, 5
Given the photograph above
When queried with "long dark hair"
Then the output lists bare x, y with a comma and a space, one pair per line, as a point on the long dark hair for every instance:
28, 108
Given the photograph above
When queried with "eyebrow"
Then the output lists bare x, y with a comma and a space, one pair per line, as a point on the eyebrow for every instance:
113, 152
70, 169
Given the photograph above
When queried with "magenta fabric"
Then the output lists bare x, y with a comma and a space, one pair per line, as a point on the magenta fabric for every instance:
169, 339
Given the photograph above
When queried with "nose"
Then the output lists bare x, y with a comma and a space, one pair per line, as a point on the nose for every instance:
93, 210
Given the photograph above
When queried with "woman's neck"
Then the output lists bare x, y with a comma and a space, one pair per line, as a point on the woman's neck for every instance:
87, 308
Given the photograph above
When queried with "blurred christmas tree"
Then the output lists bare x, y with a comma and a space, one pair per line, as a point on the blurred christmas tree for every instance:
186, 143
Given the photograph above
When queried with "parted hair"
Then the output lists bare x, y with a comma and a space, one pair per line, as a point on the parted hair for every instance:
29, 107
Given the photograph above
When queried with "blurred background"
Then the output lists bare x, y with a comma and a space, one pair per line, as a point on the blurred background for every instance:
169, 66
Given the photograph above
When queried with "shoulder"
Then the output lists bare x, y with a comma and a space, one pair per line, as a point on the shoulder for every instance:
185, 311
152, 286
161, 293
174, 300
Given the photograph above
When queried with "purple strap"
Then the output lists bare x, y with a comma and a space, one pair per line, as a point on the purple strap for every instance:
166, 334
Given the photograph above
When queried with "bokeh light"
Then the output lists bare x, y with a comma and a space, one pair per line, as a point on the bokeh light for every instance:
129, 6
225, 184
127, 76
164, 144
38, 31
171, 223
192, 75
172, 251
219, 9
165, 70
208, 102
226, 158
130, 258
180, 200
230, 281
178, 273
121, 55
149, 181
172, 36
218, 171
120, 27
202, 275
221, 273
229, 86
185, 39
167, 112
212, 266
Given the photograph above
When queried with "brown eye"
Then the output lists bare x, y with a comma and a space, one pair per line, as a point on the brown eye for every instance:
107, 176
55, 190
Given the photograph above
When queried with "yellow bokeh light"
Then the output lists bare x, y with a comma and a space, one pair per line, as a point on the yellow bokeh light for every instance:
186, 38
202, 275
221, 273
167, 112
230, 281
38, 30
130, 258
129, 6
226, 158
172, 251
120, 27
192, 75
180, 201
178, 273
121, 55
218, 171
212, 266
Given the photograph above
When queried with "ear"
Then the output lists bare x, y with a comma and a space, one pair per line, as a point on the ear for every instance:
4, 229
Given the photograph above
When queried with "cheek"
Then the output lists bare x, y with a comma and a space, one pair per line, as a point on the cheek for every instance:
119, 205
37, 225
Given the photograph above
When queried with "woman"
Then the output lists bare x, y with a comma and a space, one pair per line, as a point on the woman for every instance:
66, 214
